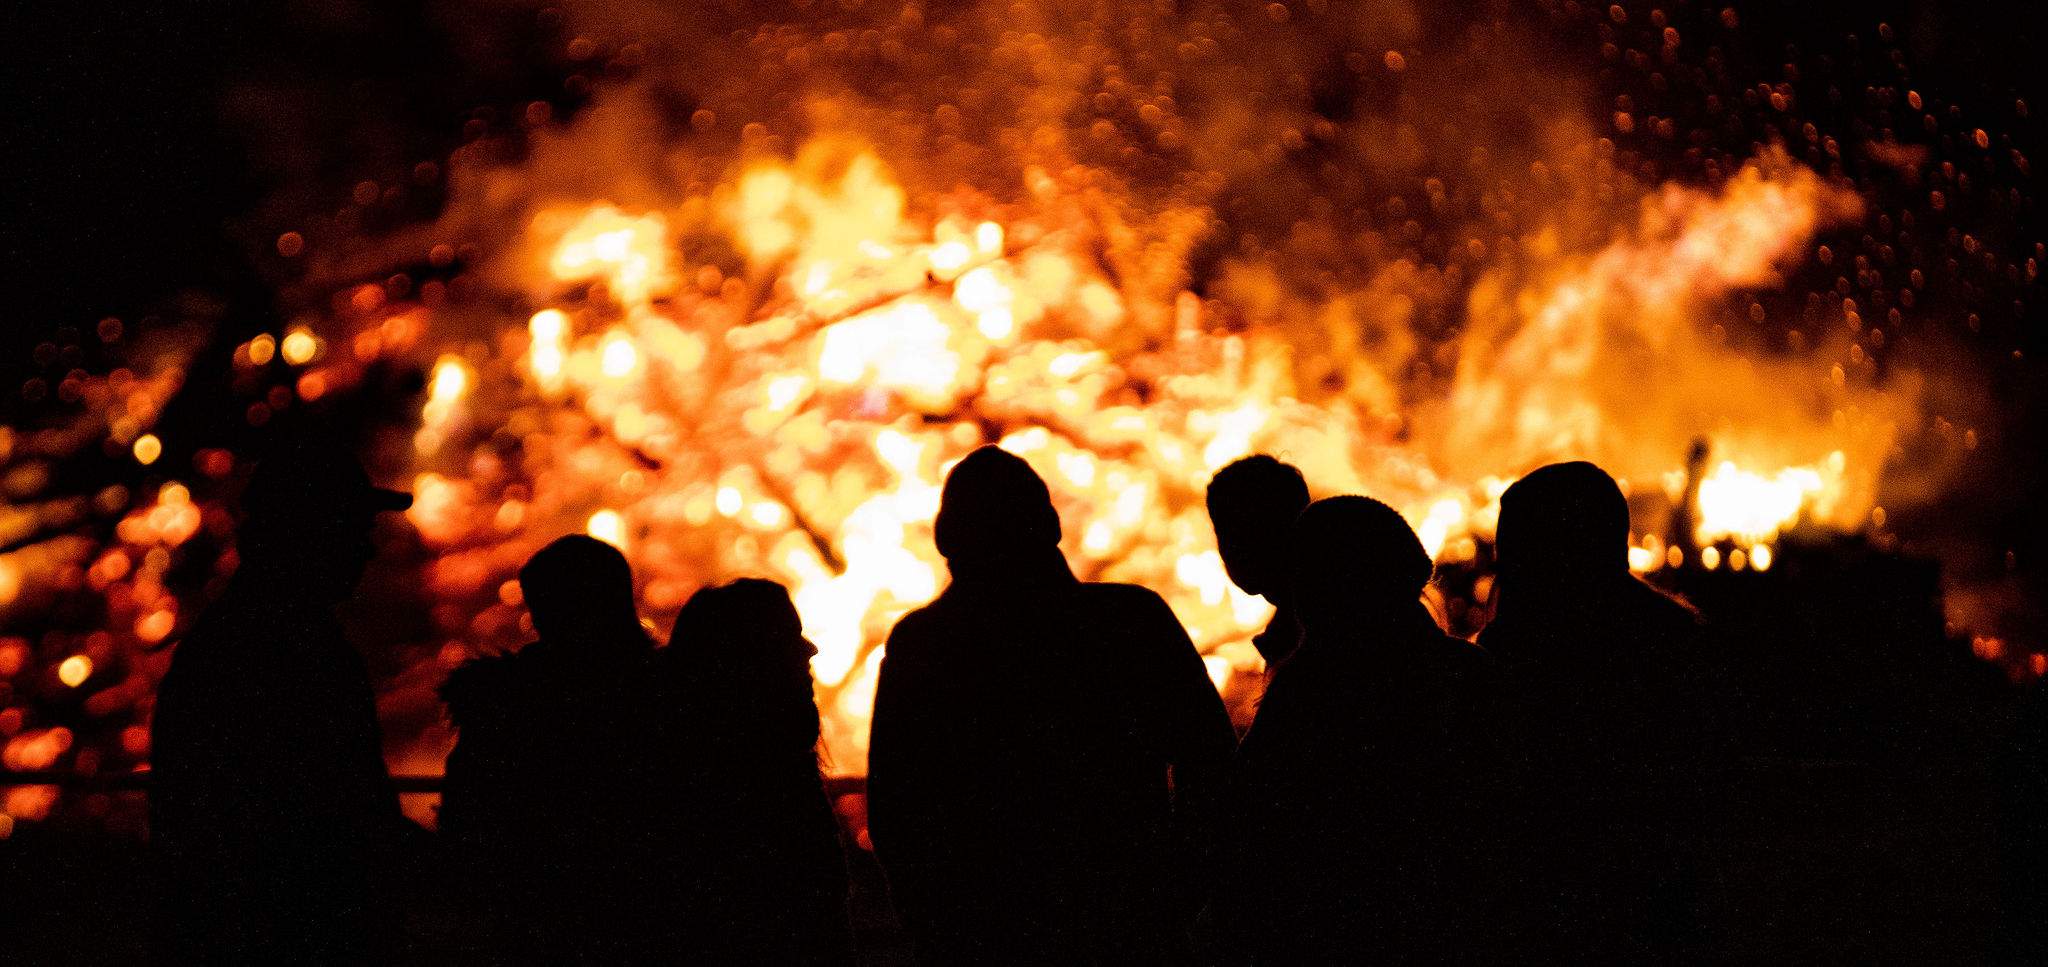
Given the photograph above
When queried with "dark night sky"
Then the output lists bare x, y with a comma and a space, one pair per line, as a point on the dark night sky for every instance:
134, 162
125, 177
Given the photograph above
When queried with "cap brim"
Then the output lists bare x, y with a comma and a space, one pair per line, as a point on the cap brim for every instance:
381, 499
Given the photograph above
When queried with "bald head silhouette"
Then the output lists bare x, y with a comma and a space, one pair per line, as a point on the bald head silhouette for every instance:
994, 507
1353, 559
580, 588
1561, 523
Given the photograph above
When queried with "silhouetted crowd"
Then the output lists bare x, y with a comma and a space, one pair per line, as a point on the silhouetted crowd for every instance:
1053, 779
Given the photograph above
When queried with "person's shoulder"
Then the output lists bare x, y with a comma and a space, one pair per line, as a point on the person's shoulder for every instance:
1665, 619
916, 631
1464, 655
480, 685
1661, 605
1142, 608
1457, 649
921, 619
1129, 596
1468, 663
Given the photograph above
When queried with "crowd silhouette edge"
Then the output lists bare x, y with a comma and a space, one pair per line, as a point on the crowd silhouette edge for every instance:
1052, 777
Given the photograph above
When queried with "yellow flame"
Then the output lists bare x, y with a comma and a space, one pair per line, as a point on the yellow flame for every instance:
628, 253
618, 357
1750, 507
608, 526
547, 333
451, 380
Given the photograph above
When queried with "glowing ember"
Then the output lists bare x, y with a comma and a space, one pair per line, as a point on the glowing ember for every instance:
73, 671
1747, 506
299, 347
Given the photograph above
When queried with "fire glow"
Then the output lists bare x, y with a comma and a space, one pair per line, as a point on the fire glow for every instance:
746, 331
802, 432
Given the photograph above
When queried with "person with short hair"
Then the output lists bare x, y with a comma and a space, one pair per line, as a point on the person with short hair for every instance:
551, 809
1044, 751
1252, 503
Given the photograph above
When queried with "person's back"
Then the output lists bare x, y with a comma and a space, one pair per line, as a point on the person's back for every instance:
270, 808
550, 795
1364, 789
1025, 725
758, 870
1613, 686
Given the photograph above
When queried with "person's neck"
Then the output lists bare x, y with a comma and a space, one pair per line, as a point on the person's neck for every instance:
279, 584
1588, 592
1374, 629
1022, 566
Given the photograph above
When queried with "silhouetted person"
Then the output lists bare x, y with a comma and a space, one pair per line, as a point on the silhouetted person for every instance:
1363, 792
757, 860
1025, 726
270, 809
1611, 676
549, 807
1252, 503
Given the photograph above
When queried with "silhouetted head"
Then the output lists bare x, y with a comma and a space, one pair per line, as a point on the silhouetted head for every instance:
580, 589
994, 507
1353, 561
307, 515
1252, 503
749, 627
1563, 522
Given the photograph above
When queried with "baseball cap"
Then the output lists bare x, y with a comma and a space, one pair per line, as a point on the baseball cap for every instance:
317, 476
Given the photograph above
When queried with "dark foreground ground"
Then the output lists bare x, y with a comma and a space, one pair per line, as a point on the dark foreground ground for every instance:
1858, 846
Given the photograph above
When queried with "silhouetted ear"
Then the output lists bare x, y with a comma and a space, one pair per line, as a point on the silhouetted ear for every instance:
477, 687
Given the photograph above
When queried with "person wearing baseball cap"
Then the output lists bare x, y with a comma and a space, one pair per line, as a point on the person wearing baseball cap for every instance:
271, 811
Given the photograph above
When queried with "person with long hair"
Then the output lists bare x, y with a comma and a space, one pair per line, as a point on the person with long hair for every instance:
758, 866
